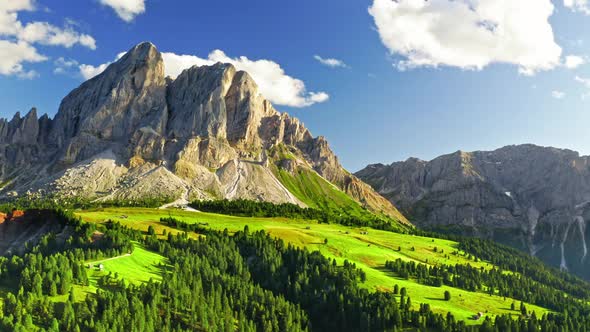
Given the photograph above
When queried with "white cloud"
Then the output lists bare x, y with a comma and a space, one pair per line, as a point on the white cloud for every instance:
578, 5
64, 66
574, 61
318, 97
47, 34
586, 83
176, 63
16, 5
63, 62
274, 84
127, 10
557, 94
89, 71
18, 40
468, 34
330, 62
12, 56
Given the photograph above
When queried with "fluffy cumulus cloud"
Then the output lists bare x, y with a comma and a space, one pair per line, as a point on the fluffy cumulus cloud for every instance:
574, 61
47, 34
14, 54
582, 6
18, 40
127, 10
89, 71
557, 94
330, 62
274, 84
468, 34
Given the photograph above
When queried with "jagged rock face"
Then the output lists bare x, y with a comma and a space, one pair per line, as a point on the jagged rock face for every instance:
21, 144
531, 197
23, 131
197, 101
130, 133
128, 95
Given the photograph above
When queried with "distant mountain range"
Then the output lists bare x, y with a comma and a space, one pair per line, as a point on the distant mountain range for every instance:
131, 133
535, 198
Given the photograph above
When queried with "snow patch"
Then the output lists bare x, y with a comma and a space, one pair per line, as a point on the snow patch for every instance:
582, 227
563, 263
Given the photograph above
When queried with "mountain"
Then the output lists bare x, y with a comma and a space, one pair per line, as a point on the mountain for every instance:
534, 198
131, 133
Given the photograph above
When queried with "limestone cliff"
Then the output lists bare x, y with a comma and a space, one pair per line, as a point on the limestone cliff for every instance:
532, 197
131, 133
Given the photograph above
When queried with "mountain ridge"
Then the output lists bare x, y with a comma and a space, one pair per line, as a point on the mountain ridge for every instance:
535, 198
130, 132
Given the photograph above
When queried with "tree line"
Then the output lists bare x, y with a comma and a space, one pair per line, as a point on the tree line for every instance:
250, 208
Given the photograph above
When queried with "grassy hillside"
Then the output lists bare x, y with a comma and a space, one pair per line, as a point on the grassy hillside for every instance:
316, 192
346, 193
369, 249
136, 268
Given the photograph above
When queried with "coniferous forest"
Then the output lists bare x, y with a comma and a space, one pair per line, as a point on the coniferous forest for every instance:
249, 281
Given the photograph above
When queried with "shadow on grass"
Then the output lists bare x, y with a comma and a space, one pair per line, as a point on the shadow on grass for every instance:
436, 299
390, 273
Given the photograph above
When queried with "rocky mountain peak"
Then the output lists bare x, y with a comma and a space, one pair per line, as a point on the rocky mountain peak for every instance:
127, 95
132, 133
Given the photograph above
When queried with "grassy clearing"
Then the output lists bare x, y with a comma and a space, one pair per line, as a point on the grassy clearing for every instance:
138, 267
368, 251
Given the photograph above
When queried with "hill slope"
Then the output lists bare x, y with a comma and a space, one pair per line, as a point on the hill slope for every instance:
370, 249
203, 271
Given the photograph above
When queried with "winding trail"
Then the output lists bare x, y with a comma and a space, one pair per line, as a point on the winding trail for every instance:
183, 203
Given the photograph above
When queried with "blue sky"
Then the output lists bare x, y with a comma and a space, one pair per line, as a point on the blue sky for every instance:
399, 94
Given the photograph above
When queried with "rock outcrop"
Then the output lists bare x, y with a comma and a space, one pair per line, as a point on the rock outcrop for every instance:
131, 133
532, 197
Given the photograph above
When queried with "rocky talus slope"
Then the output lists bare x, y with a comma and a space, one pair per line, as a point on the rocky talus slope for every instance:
132, 133
532, 197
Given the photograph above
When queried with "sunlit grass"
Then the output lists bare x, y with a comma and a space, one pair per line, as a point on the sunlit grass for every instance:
368, 251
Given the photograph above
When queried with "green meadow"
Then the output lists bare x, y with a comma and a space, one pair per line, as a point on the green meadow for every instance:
368, 248
137, 267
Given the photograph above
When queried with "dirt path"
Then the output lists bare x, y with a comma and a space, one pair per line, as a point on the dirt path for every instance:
181, 202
